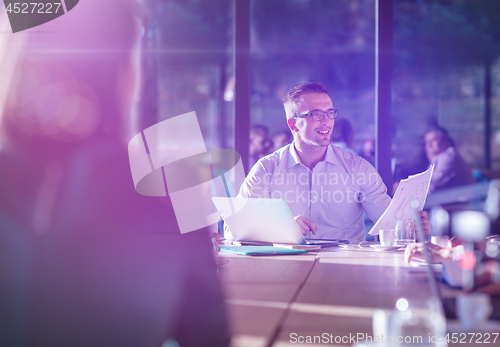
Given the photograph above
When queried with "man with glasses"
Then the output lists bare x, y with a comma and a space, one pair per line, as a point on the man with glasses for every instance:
326, 187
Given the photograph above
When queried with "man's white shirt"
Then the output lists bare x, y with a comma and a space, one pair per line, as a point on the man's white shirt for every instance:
333, 195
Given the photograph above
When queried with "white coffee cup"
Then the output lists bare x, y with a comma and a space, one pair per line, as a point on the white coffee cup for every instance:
473, 309
441, 241
387, 237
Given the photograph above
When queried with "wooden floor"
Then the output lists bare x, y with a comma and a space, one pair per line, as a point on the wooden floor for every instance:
278, 300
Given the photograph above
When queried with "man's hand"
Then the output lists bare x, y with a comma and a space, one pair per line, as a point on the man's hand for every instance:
306, 225
438, 254
426, 224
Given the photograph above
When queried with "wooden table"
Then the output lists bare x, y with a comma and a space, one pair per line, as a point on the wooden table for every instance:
273, 300
335, 291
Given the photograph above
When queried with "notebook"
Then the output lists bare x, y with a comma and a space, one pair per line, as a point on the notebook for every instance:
260, 250
263, 220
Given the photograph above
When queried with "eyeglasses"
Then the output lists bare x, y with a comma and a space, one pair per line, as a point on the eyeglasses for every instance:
320, 115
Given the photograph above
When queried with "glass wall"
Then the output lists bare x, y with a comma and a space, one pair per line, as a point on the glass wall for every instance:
332, 42
443, 51
187, 63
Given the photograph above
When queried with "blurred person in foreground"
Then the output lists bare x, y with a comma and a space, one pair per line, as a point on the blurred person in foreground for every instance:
472, 251
327, 188
450, 169
84, 259
343, 134
260, 143
451, 256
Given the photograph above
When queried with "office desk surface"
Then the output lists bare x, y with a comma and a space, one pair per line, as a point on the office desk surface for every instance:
271, 299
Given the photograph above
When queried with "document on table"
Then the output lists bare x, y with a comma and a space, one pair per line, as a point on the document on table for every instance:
414, 187
259, 250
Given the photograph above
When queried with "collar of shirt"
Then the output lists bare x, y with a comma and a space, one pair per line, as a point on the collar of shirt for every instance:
294, 157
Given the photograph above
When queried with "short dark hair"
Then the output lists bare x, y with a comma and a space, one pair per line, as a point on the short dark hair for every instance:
260, 129
287, 133
443, 134
290, 99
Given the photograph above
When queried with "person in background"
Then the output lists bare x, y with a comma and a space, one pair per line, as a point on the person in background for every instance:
343, 134
260, 143
450, 169
84, 259
368, 151
281, 139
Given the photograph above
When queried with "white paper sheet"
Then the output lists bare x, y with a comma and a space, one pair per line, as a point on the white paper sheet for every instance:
414, 187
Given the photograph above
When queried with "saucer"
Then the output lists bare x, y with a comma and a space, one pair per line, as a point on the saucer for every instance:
379, 247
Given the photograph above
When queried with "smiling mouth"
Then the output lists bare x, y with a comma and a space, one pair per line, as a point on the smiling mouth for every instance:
323, 132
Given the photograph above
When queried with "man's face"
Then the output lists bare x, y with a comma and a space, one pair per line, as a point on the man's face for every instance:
433, 144
308, 131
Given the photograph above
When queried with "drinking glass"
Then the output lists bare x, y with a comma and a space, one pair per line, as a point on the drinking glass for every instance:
416, 325
405, 232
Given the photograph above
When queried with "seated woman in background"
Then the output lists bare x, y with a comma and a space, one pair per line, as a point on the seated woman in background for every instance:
450, 169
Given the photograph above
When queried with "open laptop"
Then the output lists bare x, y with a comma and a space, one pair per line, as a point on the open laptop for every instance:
264, 220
